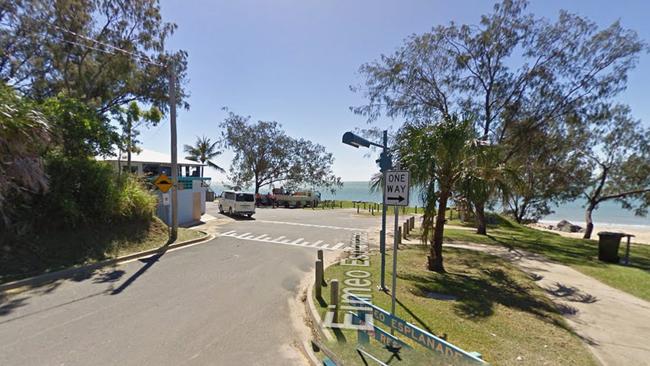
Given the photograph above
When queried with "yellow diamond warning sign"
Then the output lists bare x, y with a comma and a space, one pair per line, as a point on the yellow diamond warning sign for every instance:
163, 183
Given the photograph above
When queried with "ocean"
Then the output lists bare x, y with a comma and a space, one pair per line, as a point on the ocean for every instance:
608, 213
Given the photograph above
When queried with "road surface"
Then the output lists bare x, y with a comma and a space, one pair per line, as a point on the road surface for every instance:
224, 302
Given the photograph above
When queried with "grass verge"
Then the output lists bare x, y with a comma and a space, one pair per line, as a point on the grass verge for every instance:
482, 304
63, 249
579, 254
365, 208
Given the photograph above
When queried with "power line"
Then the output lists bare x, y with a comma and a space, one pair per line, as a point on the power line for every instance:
144, 58
172, 114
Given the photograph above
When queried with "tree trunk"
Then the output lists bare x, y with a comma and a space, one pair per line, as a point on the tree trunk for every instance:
128, 148
435, 257
119, 162
128, 162
590, 223
481, 222
521, 212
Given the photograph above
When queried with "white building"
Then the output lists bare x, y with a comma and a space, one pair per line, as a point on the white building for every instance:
192, 186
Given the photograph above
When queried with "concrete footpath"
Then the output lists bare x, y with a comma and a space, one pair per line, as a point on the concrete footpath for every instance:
614, 325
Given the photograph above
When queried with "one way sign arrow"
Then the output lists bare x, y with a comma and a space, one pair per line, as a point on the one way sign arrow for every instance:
396, 189
399, 198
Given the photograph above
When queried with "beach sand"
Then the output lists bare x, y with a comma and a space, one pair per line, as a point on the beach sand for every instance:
641, 233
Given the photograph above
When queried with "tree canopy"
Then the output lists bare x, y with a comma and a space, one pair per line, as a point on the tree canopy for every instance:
264, 154
520, 75
78, 129
104, 53
615, 162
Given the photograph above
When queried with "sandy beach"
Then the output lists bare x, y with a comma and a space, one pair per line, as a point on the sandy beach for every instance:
641, 232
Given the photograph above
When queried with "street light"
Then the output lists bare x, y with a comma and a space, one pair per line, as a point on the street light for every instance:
355, 141
385, 165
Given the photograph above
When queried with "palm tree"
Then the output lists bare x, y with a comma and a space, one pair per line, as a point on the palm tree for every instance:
438, 156
203, 151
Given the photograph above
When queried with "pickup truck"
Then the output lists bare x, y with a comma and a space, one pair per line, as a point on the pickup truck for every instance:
307, 198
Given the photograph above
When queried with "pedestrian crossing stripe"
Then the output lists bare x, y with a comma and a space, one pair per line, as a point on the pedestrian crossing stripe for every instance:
265, 238
311, 225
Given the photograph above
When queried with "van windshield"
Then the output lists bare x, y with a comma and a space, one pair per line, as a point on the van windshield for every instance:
245, 197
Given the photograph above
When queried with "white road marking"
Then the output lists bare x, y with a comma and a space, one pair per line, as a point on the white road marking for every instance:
311, 225
298, 242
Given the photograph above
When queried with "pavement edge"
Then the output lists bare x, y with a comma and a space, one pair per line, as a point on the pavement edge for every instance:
28, 283
315, 322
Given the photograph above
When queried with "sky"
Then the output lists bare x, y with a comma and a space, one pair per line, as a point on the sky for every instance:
293, 61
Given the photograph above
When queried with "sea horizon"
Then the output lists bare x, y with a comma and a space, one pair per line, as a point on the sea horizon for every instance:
608, 214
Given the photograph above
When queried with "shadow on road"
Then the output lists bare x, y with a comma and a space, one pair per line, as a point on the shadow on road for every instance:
148, 263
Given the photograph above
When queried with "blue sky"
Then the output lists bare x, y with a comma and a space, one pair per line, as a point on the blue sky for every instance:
293, 61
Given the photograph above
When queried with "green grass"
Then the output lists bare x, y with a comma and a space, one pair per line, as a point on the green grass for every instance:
62, 249
499, 311
580, 254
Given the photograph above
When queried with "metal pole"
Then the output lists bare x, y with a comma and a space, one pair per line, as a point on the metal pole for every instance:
172, 124
382, 238
394, 284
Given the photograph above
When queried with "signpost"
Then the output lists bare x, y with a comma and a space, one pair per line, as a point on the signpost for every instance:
164, 184
396, 193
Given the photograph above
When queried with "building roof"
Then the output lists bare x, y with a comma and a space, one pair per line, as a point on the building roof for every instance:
150, 156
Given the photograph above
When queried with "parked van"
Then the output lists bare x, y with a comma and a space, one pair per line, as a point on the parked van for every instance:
237, 203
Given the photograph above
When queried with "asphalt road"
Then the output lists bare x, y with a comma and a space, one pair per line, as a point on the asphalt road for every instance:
225, 302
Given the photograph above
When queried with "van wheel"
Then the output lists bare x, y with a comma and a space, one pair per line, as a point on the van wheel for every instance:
220, 209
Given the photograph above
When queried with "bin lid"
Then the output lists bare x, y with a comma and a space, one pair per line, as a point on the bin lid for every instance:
610, 233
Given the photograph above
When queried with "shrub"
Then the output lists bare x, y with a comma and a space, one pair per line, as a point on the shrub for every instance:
134, 201
84, 191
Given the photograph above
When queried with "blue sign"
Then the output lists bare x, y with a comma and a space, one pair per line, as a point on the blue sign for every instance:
379, 334
420, 336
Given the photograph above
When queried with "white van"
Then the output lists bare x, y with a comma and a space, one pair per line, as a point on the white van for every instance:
237, 203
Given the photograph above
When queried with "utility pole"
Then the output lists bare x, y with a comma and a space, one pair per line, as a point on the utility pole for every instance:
172, 125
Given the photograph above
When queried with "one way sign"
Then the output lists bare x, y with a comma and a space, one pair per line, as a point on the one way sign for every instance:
396, 189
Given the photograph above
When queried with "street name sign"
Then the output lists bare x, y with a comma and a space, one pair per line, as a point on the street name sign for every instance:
163, 183
396, 188
418, 335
